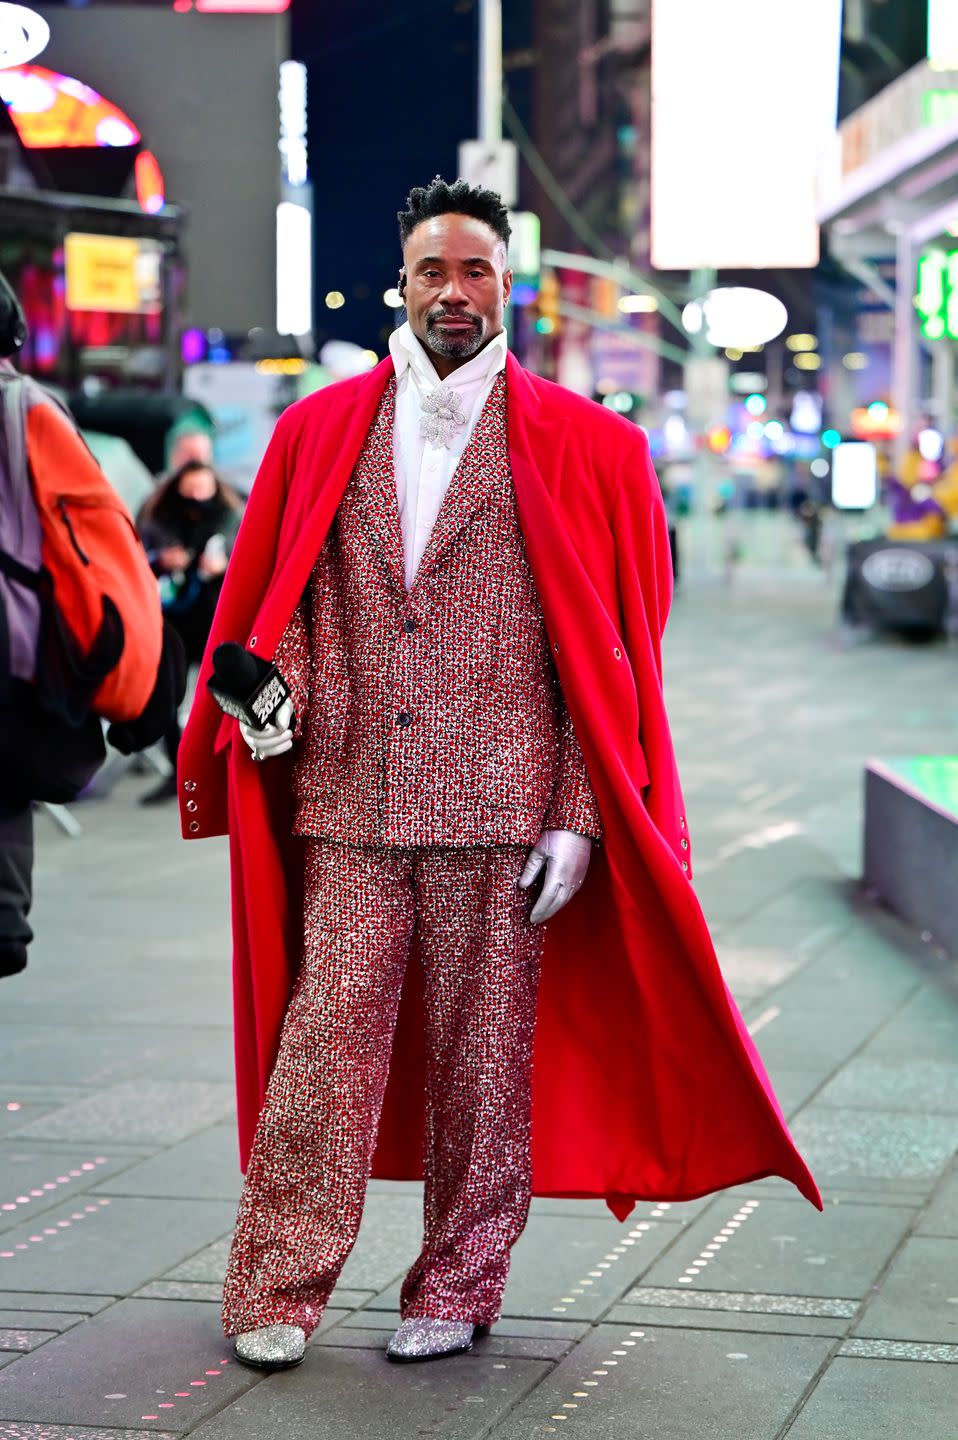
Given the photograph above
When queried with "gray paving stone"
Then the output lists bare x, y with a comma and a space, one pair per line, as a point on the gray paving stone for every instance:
745, 1322
150, 1112
35, 1176
76, 1305
22, 1340
941, 1217
888, 1397
107, 1246
921, 1085
207, 1265
794, 1088
388, 1242
783, 1247
670, 1382
925, 1029
180, 1290
802, 1039
751, 971
38, 1320
102, 1055
9, 1430
142, 1363
357, 1393
901, 1350
918, 1298
845, 1142
204, 1167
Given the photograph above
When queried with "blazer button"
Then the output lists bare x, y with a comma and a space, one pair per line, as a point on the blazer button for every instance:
409, 624
403, 719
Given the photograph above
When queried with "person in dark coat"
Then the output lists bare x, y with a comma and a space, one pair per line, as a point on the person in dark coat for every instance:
188, 527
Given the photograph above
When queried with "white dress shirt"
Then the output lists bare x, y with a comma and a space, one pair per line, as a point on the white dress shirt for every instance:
423, 469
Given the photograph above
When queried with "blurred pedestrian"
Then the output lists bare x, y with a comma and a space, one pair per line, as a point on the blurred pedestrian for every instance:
81, 632
188, 527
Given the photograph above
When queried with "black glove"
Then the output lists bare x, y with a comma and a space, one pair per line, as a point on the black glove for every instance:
160, 710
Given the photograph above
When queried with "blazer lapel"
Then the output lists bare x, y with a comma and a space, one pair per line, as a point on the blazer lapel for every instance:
472, 480
377, 492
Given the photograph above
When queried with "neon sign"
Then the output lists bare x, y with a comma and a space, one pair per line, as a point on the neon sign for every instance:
23, 35
937, 298
51, 111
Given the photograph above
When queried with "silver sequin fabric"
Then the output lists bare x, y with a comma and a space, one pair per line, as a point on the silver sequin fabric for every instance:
272, 1345
427, 1339
432, 716
306, 1182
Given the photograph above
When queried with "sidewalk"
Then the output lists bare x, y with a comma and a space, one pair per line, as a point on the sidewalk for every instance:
746, 1316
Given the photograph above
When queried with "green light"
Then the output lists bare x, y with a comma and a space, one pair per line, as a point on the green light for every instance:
878, 410
756, 404
831, 438
545, 325
937, 300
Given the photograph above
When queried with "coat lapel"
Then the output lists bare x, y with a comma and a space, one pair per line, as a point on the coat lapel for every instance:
472, 481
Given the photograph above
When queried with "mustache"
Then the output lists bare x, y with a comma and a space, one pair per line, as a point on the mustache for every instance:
434, 316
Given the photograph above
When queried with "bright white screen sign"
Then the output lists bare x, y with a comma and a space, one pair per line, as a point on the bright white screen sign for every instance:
744, 97
854, 475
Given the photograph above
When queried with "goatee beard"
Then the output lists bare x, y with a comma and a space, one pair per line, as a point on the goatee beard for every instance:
453, 346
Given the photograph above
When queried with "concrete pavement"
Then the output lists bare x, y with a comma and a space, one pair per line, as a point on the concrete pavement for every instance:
744, 1315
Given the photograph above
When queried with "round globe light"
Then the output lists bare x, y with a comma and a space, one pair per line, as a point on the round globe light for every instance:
23, 35
739, 317
692, 317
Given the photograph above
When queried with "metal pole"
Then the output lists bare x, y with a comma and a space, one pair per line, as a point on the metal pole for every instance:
490, 71
905, 348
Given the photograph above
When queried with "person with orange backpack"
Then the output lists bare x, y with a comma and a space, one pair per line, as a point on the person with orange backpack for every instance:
82, 637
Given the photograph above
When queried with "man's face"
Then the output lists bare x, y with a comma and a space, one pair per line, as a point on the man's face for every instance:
456, 288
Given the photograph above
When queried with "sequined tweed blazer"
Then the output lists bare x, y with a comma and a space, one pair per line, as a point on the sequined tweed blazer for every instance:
432, 716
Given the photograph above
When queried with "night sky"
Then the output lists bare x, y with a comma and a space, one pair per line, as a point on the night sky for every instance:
392, 91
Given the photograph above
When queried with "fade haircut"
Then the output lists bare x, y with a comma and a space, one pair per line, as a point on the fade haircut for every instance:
425, 202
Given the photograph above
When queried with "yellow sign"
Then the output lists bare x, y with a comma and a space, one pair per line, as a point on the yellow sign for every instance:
111, 273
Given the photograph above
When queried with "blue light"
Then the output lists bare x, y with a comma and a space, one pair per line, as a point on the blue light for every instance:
524, 294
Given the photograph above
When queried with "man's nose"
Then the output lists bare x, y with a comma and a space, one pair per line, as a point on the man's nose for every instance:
452, 293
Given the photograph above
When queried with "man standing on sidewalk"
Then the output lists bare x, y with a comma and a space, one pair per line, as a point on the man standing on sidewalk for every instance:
463, 573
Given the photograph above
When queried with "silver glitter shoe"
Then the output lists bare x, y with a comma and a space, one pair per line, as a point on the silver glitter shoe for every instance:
427, 1339
272, 1347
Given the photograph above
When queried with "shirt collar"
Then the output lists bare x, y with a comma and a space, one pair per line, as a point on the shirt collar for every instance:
409, 354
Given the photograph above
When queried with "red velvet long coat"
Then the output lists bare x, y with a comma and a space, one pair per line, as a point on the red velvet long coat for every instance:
646, 1083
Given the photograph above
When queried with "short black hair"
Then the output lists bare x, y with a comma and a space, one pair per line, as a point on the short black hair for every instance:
424, 202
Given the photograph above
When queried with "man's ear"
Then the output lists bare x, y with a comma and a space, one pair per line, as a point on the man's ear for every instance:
401, 287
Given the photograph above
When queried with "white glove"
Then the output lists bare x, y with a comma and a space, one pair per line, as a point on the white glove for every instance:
274, 739
566, 857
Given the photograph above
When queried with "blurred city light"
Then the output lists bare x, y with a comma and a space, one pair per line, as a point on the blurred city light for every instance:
774, 430
755, 430
736, 315
855, 360
808, 360
545, 324
878, 410
831, 438
335, 300
23, 35
294, 269
802, 342
931, 444
719, 439
819, 468
51, 111
638, 304
733, 353
756, 404
942, 35
392, 298
150, 189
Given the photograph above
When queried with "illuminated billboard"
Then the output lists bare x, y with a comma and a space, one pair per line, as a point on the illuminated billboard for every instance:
744, 96
113, 274
51, 111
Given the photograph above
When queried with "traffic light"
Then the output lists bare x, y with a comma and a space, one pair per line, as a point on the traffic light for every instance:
548, 319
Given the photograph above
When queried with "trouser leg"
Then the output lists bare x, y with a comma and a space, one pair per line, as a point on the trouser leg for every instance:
312, 1153
481, 958
16, 886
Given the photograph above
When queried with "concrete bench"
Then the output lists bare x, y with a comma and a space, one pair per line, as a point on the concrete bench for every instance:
911, 841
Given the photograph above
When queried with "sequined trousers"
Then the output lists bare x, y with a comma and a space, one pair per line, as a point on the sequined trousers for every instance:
306, 1181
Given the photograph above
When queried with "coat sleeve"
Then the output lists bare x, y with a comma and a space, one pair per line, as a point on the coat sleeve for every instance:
644, 574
